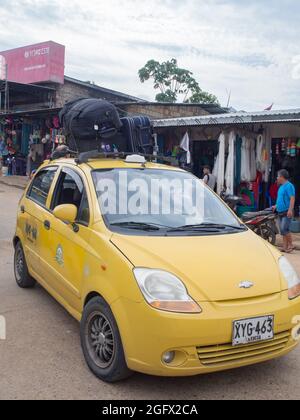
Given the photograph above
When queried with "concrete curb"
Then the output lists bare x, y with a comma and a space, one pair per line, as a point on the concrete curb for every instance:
20, 186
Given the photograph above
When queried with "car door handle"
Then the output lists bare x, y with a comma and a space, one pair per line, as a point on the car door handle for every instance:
47, 225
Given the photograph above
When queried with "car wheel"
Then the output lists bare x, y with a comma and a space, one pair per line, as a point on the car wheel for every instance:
101, 342
23, 278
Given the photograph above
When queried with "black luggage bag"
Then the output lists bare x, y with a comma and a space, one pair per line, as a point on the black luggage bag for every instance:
95, 124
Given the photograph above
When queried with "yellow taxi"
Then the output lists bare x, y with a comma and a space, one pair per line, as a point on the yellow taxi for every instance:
161, 283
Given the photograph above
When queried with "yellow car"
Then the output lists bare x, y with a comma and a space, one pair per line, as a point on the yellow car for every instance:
157, 288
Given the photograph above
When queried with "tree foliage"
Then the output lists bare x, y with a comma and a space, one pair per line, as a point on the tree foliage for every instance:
174, 82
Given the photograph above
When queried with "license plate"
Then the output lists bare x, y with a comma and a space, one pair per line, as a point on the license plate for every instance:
253, 330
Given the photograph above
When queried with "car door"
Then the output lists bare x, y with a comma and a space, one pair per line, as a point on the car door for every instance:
33, 213
68, 245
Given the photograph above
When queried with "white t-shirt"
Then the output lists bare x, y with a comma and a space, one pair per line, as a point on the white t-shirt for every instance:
210, 180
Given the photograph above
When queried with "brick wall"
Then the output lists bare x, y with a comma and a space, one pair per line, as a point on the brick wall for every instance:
70, 91
160, 111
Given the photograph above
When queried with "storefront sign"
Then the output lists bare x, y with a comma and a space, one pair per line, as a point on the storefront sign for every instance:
43, 62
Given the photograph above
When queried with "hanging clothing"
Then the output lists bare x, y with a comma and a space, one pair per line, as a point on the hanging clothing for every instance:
238, 160
230, 165
26, 132
185, 145
245, 169
260, 148
253, 171
219, 169
248, 171
267, 157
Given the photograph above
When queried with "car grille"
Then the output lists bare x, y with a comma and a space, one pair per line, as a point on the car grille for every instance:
226, 353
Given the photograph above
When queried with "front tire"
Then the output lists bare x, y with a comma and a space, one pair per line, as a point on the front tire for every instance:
101, 342
22, 276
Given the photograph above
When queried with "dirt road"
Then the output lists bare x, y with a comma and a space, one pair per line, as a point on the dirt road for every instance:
42, 359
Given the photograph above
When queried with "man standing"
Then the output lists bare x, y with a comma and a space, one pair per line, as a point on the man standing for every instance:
285, 208
209, 179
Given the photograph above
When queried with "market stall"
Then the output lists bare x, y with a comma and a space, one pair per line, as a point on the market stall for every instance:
244, 150
27, 140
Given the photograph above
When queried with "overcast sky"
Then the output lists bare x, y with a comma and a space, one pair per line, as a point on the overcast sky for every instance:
249, 47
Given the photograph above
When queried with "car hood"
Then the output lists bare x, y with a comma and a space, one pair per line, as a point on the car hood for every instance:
211, 267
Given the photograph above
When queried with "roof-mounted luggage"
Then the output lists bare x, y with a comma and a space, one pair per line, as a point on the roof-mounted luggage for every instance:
95, 124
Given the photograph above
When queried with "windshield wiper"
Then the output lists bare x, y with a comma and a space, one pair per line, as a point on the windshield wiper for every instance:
137, 226
209, 227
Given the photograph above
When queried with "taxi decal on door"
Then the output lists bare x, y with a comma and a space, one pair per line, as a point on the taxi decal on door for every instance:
59, 257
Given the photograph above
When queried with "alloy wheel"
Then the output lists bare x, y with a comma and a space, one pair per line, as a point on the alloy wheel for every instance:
100, 340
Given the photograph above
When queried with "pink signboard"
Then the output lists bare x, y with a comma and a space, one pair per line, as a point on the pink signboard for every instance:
38, 63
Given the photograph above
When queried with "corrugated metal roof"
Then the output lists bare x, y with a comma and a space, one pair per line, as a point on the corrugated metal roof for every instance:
292, 115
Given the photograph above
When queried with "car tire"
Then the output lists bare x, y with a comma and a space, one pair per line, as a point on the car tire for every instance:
22, 276
101, 342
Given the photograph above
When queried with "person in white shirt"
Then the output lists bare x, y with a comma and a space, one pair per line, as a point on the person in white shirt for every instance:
209, 179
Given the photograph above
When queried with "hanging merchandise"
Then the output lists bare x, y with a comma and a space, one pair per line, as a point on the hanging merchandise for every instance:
253, 171
219, 169
293, 150
230, 165
238, 160
26, 132
267, 157
260, 149
185, 145
245, 171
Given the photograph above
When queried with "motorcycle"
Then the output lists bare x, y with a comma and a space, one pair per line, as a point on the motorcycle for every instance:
232, 200
263, 223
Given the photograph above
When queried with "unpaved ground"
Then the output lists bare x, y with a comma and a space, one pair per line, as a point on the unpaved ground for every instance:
41, 358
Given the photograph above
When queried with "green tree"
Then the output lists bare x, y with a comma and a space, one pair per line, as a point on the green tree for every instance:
173, 81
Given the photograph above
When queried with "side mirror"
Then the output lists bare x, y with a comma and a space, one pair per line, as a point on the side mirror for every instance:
66, 213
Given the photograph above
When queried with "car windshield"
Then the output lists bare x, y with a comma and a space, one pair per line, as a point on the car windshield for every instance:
154, 200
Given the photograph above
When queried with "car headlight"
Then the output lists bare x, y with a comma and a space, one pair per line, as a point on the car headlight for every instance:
164, 291
291, 277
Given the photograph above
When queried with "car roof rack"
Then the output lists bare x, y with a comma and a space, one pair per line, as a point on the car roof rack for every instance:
96, 155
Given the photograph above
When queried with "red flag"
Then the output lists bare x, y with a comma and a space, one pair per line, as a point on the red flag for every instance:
269, 108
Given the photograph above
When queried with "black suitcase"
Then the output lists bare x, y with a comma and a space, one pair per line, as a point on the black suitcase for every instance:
139, 134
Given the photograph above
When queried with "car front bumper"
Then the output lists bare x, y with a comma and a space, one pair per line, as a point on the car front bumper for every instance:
202, 342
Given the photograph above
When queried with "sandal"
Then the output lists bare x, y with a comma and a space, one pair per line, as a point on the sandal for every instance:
283, 250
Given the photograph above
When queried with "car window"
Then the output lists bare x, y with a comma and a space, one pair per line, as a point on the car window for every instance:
70, 190
163, 199
41, 185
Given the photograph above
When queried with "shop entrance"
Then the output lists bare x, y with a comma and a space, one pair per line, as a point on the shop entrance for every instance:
205, 153
286, 155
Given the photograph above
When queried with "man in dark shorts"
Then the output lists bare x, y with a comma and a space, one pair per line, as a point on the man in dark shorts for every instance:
285, 208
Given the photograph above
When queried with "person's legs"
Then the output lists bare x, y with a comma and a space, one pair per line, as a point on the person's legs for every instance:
290, 242
285, 229
285, 232
285, 244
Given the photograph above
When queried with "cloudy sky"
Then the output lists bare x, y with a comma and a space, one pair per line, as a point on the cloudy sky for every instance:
248, 47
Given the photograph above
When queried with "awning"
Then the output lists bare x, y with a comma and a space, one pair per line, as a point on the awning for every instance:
239, 118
